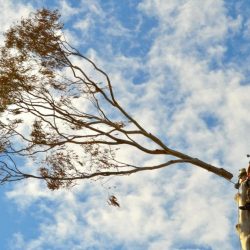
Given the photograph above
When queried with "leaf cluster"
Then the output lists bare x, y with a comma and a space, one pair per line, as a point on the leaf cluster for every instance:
39, 35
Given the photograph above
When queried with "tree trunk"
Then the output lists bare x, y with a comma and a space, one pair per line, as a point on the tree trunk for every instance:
243, 226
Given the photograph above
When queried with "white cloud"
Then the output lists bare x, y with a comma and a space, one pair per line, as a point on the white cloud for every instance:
93, 6
67, 10
17, 242
83, 25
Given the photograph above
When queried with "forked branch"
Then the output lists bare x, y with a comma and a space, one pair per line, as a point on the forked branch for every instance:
62, 112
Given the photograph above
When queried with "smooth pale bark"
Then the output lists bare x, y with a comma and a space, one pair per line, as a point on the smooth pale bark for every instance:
243, 226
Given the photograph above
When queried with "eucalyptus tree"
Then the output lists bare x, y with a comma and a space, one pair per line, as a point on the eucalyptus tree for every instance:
59, 110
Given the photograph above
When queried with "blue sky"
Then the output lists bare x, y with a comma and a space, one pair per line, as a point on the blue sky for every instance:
180, 67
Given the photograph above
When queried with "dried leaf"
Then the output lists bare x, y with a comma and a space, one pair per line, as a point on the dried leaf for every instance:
113, 201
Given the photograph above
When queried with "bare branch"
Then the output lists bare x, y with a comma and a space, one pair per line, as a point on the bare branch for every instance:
75, 123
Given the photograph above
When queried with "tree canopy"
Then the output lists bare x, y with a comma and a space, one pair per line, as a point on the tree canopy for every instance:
59, 110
